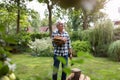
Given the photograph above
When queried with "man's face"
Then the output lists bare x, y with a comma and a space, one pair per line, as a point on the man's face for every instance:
60, 27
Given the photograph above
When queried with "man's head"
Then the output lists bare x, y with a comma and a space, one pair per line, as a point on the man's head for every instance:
60, 26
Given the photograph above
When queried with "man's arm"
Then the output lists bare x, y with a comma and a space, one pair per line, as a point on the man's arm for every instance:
69, 47
70, 53
53, 34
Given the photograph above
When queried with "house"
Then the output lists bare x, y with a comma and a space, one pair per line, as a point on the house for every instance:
116, 23
42, 29
46, 28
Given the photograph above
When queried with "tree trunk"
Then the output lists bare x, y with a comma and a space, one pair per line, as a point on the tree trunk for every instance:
85, 26
50, 18
18, 17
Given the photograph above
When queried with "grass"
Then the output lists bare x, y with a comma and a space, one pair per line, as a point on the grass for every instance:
40, 68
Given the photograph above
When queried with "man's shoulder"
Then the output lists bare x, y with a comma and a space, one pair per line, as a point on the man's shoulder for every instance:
65, 32
55, 32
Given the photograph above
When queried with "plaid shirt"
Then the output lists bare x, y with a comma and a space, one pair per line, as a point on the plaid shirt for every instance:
61, 50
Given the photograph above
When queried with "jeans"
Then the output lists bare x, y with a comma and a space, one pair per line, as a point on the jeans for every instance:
56, 67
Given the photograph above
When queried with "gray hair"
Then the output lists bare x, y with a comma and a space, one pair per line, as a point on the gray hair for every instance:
59, 23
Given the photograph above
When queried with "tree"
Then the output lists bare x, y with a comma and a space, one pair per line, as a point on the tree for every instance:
61, 3
50, 5
87, 14
93, 14
87, 9
18, 6
34, 20
8, 16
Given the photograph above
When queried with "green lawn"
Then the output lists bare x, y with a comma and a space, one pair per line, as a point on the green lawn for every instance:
40, 68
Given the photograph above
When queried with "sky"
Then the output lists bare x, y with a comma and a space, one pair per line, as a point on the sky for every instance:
38, 7
111, 8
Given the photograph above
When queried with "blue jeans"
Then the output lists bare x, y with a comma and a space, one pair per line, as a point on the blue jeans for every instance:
56, 67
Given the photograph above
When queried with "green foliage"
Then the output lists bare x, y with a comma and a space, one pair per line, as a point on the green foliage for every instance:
23, 38
61, 59
84, 35
74, 18
75, 35
81, 56
117, 33
114, 50
4, 70
100, 37
35, 21
81, 46
84, 55
44, 22
3, 41
41, 47
38, 36
8, 15
21, 41
28, 68
6, 66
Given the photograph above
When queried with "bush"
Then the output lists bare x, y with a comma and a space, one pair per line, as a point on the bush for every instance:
39, 36
6, 68
117, 34
41, 47
114, 50
100, 38
21, 41
81, 46
84, 35
75, 35
23, 38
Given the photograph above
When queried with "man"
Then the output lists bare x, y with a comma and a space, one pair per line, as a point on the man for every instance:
61, 50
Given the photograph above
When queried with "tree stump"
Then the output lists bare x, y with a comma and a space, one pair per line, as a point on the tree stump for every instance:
77, 75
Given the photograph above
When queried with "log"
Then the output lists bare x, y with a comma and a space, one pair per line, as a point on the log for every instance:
77, 75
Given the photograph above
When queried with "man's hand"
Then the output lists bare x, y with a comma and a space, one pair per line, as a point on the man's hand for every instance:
70, 56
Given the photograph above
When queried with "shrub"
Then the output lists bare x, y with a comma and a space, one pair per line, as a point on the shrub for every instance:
21, 41
117, 33
41, 47
114, 50
39, 36
6, 68
75, 35
79, 46
84, 35
100, 38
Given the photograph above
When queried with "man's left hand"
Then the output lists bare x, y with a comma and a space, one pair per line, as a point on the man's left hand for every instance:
70, 56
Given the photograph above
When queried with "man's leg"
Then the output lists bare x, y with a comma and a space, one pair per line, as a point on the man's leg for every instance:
55, 67
63, 77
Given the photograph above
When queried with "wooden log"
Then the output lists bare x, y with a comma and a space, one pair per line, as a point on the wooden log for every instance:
76, 75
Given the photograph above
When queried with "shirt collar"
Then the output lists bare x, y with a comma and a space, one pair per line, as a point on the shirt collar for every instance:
62, 32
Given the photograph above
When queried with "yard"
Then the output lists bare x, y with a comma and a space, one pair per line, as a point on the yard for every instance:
40, 68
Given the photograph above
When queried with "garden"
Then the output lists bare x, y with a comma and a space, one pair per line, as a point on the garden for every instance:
26, 51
